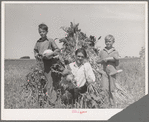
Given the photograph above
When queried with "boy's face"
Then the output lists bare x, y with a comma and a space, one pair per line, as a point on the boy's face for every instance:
109, 43
42, 33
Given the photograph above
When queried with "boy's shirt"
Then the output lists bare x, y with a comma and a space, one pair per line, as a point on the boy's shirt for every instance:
109, 53
44, 44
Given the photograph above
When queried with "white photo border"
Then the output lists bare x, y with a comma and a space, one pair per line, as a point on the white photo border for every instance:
60, 114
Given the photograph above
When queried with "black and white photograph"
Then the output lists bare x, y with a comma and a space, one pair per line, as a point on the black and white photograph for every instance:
72, 60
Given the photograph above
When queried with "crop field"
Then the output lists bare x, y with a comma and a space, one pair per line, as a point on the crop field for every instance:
132, 79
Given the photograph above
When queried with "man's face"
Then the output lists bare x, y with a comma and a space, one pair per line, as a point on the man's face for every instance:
80, 58
42, 33
109, 43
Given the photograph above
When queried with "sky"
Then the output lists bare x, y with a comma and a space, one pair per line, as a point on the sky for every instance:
126, 22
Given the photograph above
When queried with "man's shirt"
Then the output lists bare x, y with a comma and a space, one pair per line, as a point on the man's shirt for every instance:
82, 73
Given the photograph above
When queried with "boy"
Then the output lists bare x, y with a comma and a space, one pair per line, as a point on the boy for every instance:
109, 60
43, 44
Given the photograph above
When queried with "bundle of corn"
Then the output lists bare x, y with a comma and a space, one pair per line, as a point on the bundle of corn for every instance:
69, 43
92, 58
58, 67
36, 87
95, 97
76, 39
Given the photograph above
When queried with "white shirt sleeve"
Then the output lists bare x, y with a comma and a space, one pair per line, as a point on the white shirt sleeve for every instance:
90, 76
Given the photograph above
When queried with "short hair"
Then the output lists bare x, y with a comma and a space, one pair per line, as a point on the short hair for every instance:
110, 37
82, 51
43, 26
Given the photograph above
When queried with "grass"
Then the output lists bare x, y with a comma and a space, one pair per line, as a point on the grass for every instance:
15, 71
132, 79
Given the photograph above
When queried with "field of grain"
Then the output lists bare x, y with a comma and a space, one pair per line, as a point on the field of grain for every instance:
132, 79
15, 72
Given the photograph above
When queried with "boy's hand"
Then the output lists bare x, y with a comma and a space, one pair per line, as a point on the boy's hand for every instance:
38, 56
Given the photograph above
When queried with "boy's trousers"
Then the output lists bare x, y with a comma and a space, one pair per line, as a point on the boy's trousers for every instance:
47, 70
108, 82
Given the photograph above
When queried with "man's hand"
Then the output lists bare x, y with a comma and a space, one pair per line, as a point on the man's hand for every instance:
66, 72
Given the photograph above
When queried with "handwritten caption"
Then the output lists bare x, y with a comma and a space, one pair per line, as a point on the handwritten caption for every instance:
79, 111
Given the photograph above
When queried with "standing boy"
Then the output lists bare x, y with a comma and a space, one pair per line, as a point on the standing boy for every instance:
109, 60
43, 44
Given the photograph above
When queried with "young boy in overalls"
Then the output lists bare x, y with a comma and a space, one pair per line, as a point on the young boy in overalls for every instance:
41, 46
109, 60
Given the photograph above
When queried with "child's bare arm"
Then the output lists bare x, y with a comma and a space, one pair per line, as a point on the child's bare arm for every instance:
112, 58
36, 52
109, 59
